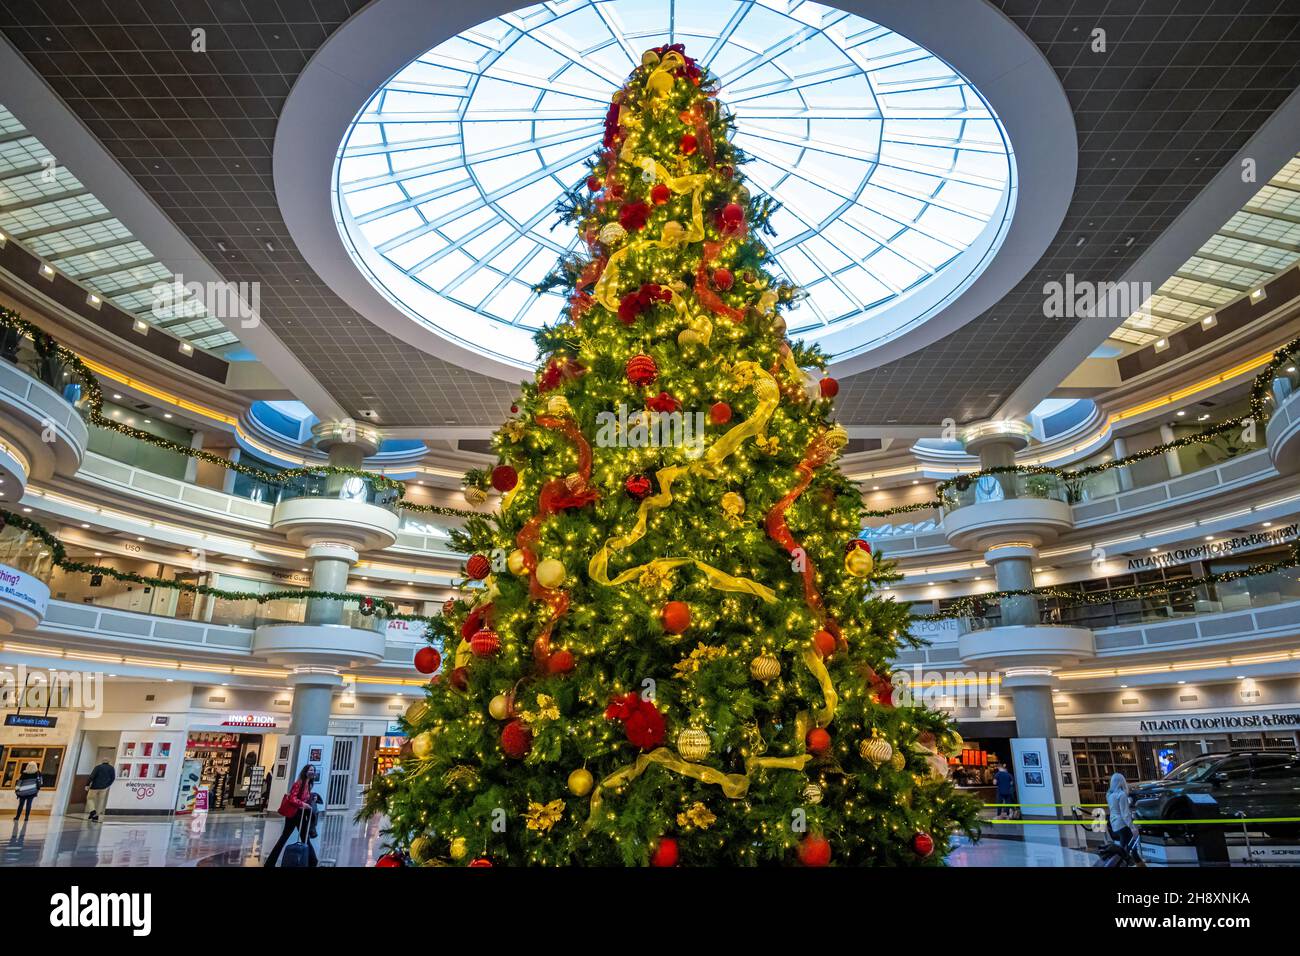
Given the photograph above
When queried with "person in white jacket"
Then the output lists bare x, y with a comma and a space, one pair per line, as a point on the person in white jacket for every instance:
1120, 809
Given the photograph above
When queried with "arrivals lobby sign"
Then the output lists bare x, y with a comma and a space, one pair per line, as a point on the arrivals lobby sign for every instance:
1214, 549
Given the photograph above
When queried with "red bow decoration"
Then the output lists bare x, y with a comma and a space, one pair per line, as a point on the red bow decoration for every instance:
611, 125
475, 620
558, 371
633, 216
632, 305
663, 402
642, 722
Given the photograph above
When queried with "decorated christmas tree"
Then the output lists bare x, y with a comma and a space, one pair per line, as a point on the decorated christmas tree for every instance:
666, 650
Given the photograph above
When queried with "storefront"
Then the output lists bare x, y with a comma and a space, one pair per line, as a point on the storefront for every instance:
234, 761
1147, 747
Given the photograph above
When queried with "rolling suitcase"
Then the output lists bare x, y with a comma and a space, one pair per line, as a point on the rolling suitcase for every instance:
298, 853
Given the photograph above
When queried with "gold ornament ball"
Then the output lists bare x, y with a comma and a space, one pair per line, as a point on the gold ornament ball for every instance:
899, 760
515, 563
580, 782
764, 668
550, 573
499, 707
475, 496
422, 744
733, 504
688, 338
859, 563
419, 847
812, 793
558, 406
876, 749
415, 712
458, 849
693, 744
611, 234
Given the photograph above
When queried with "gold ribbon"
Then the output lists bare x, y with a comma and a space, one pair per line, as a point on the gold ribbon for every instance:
768, 393
606, 291
734, 785
814, 663
463, 654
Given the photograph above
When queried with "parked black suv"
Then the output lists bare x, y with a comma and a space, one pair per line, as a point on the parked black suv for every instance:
1253, 783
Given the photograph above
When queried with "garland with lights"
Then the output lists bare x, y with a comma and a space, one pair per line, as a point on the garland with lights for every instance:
1257, 414
367, 604
47, 347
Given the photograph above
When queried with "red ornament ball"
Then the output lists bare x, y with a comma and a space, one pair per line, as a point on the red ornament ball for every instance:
390, 860
427, 660
830, 387
723, 279
637, 486
485, 643
460, 678
641, 370
516, 740
676, 617
478, 567
561, 662
660, 194
448, 607
689, 144
814, 850
824, 643
665, 852
733, 215
923, 844
481, 862
633, 216
720, 413
504, 478
593, 183
819, 741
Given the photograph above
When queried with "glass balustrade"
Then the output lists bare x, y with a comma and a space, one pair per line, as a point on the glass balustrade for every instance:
1002, 487
1173, 603
356, 488
340, 614
20, 351
1285, 384
24, 551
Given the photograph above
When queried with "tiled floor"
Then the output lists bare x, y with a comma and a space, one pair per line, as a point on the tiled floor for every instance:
239, 839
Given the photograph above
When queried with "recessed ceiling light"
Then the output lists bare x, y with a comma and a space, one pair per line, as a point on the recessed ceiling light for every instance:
1154, 550
139, 539
85, 526
93, 300
1182, 682
141, 326
47, 271
1241, 677
28, 510
1181, 413
1268, 524
167, 414
1209, 537
117, 397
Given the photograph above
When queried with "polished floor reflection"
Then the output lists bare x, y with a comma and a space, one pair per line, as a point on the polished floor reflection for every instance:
239, 839
214, 839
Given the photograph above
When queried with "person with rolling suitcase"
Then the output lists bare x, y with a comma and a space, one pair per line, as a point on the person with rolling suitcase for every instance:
298, 808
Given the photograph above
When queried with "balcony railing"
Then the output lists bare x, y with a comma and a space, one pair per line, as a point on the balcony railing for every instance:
1001, 487
338, 487
24, 551
1172, 603
20, 351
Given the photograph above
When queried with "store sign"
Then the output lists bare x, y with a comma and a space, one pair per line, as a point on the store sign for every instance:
249, 720
1203, 722
23, 590
29, 720
1214, 549
405, 630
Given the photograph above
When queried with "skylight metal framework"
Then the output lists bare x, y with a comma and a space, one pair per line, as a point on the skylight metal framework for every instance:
48, 210
887, 162
1261, 240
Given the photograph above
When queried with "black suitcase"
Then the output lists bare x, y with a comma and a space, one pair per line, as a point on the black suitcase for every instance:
298, 853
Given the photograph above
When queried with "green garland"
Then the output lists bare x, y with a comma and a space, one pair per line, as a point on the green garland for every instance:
969, 605
1258, 413
58, 553
47, 346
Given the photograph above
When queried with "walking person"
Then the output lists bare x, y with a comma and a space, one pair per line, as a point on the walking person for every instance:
1119, 809
101, 778
26, 789
1005, 784
297, 808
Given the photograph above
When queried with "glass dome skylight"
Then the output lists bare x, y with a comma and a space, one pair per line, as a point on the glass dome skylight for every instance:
896, 178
